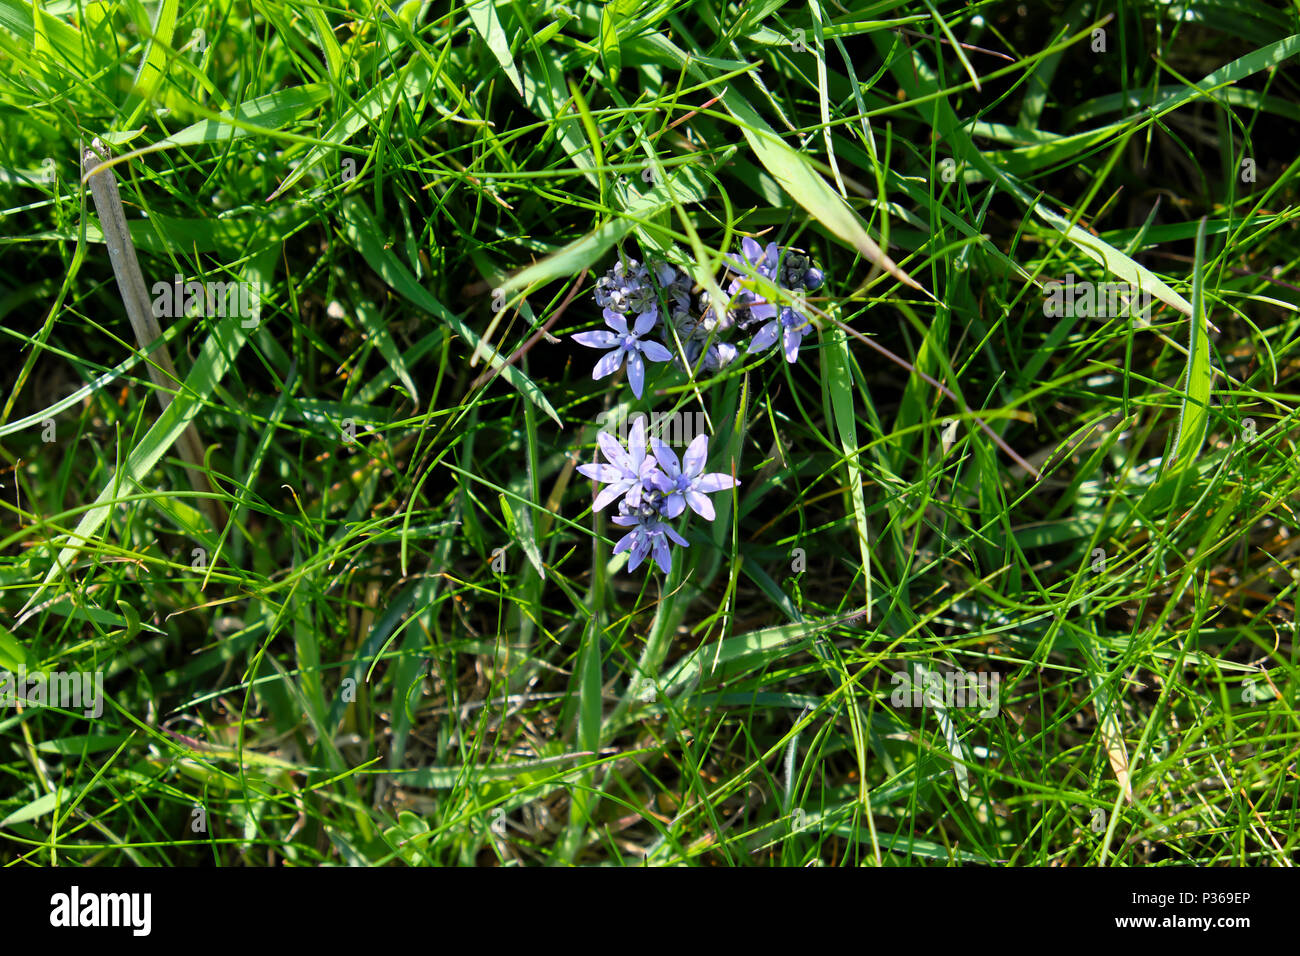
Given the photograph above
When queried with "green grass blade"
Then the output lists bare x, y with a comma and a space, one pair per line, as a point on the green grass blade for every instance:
1194, 414
362, 232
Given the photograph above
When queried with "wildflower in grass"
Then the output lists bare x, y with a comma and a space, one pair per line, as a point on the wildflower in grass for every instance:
789, 269
695, 340
755, 262
790, 326
650, 535
753, 259
655, 489
628, 472
624, 343
685, 483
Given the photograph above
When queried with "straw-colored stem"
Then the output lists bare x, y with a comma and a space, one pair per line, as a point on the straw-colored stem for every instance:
139, 309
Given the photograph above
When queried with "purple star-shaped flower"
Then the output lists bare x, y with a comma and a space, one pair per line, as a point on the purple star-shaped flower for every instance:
625, 343
627, 472
685, 484
791, 326
790, 269
649, 535
755, 262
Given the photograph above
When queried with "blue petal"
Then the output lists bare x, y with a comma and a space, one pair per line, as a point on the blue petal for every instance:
765, 337
645, 322
598, 339
608, 364
655, 352
635, 372
663, 557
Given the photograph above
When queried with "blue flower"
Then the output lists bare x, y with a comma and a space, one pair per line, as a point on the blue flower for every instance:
628, 472
791, 326
655, 489
755, 260
649, 534
789, 269
685, 483
625, 343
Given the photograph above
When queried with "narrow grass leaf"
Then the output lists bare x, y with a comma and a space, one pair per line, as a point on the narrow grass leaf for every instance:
1194, 415
263, 115
13, 655
483, 14
839, 386
42, 805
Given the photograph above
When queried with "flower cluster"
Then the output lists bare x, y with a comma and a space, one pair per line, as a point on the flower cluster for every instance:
655, 488
658, 296
791, 270
651, 485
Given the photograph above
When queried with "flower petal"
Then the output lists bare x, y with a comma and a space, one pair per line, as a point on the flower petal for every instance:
658, 481
616, 321
645, 322
605, 474
765, 337
790, 340
655, 352
608, 364
609, 494
753, 251
634, 495
674, 505
701, 505
615, 454
675, 537
635, 372
652, 477
697, 452
636, 443
598, 339
667, 458
663, 557
713, 482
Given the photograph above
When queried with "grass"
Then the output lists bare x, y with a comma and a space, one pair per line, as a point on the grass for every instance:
411, 643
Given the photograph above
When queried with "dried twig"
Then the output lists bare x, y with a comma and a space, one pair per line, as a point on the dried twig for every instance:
135, 296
